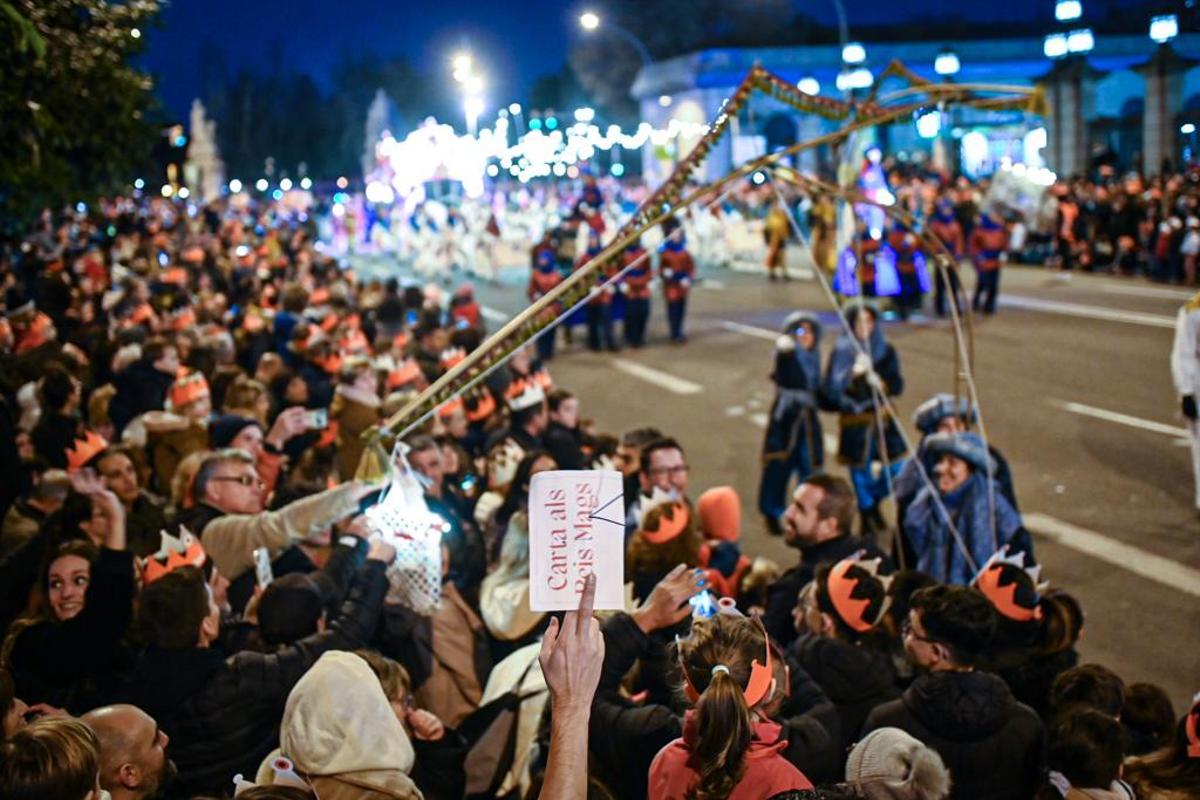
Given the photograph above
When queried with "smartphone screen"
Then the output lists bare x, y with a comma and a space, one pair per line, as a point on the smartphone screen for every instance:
318, 419
262, 567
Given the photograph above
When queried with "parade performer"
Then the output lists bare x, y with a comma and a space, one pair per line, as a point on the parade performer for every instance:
636, 289
793, 444
1185, 371
873, 183
946, 227
776, 232
677, 270
983, 518
851, 380
600, 302
822, 219
865, 260
910, 268
544, 277
989, 243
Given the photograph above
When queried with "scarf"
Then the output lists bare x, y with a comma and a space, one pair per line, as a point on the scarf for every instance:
841, 361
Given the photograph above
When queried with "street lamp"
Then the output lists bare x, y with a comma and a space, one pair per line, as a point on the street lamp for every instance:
462, 63
1055, 45
1080, 41
1164, 28
590, 22
857, 78
472, 108
1067, 10
809, 85
946, 63
854, 53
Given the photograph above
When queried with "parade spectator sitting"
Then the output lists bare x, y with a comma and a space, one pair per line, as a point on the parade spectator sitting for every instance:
661, 464
888, 764
628, 458
1172, 772
229, 515
983, 519
817, 523
64, 652
727, 749
1084, 758
133, 760
666, 536
991, 744
222, 712
25, 517
563, 439
844, 647
57, 757
144, 516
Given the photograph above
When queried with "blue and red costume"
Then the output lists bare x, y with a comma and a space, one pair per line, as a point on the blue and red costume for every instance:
544, 277
910, 268
989, 242
599, 306
636, 289
946, 227
677, 270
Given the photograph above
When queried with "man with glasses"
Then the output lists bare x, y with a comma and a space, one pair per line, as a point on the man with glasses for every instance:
991, 743
662, 466
230, 519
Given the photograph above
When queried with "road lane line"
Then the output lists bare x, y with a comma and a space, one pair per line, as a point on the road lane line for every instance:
712, 283
1089, 312
493, 314
749, 330
664, 380
1181, 295
1103, 548
1121, 419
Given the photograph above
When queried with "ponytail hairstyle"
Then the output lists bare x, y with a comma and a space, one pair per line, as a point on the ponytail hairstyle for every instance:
716, 660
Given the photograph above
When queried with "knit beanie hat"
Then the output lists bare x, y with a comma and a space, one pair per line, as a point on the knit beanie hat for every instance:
225, 428
720, 511
889, 764
967, 446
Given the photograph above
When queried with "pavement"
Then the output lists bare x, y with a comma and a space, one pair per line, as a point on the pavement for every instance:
1076, 392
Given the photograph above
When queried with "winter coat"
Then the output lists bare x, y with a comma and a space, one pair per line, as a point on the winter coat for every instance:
53, 435
626, 735
856, 678
992, 745
72, 664
565, 445
853, 399
793, 421
675, 772
222, 712
783, 593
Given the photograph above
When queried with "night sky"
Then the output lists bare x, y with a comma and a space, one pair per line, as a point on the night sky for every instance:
514, 41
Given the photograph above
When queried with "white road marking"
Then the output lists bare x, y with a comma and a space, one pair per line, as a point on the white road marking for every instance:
1147, 291
749, 330
758, 418
712, 283
1121, 419
1090, 312
493, 314
1134, 559
657, 377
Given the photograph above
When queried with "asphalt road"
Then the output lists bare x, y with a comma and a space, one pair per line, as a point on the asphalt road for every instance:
1076, 392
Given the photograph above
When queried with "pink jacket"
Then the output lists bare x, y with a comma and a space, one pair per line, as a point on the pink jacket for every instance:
675, 771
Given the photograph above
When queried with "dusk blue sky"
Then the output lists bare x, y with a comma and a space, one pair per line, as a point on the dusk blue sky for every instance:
515, 42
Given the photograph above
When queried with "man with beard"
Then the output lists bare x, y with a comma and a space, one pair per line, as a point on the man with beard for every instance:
133, 757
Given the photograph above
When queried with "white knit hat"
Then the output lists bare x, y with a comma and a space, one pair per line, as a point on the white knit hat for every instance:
889, 764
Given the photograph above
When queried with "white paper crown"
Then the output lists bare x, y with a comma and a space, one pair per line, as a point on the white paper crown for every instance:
1017, 560
173, 553
657, 498
530, 395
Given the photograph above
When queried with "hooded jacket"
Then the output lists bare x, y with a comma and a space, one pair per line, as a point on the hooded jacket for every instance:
675, 771
992, 745
341, 733
797, 377
856, 679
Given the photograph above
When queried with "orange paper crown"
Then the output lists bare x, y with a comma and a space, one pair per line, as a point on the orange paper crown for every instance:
672, 521
188, 388
841, 586
757, 686
173, 553
524, 393
84, 450
405, 372
485, 406
999, 581
450, 407
451, 356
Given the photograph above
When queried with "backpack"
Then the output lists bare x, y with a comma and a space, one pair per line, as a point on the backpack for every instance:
491, 733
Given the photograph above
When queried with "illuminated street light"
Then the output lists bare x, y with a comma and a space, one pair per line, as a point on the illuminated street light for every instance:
1067, 10
1080, 41
136, 33
514, 108
1055, 45
585, 114
286, 184
473, 84
235, 186
860, 78
946, 63
854, 53
261, 184
306, 183
589, 21
184, 193
1187, 128
462, 63
809, 85
1164, 28
664, 100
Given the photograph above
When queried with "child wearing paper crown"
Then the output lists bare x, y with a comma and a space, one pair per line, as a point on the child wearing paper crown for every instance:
667, 536
729, 748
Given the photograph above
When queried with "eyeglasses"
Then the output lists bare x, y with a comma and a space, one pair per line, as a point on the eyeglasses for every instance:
672, 471
244, 480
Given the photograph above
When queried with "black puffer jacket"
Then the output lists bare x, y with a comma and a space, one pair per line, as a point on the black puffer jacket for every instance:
223, 714
992, 745
856, 679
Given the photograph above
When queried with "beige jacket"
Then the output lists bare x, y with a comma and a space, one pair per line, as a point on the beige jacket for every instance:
230, 540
